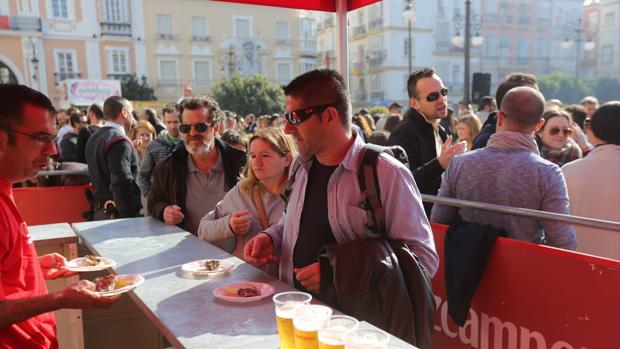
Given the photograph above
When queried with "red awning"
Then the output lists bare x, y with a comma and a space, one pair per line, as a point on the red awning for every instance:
313, 5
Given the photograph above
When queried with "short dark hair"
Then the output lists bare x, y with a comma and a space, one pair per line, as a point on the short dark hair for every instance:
97, 110
413, 80
198, 102
233, 137
322, 86
168, 110
486, 100
605, 122
75, 119
394, 105
113, 107
513, 80
577, 112
13, 100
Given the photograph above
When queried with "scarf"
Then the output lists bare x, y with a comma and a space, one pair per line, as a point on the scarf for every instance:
513, 140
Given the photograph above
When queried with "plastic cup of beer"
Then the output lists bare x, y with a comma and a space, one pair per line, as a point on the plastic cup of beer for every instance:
307, 321
366, 339
286, 304
331, 337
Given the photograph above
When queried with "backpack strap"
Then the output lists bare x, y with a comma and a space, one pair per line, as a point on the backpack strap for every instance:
258, 203
288, 187
369, 186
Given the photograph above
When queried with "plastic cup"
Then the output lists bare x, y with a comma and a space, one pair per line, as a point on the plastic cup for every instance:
331, 337
307, 321
286, 303
366, 339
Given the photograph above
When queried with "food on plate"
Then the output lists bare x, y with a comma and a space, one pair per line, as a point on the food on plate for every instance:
249, 291
91, 260
212, 264
106, 283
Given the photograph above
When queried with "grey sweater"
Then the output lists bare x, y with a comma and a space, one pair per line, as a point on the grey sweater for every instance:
515, 177
214, 226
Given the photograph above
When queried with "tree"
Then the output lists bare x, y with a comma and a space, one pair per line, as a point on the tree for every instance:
134, 90
379, 109
568, 90
249, 95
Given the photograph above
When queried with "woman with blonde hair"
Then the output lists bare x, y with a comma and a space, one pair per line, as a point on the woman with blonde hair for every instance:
467, 128
141, 135
254, 204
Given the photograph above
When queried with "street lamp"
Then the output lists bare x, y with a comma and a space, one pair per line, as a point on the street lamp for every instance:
577, 31
467, 41
409, 16
35, 63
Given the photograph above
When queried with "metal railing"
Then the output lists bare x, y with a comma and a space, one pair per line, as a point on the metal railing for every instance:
525, 212
63, 173
25, 23
116, 28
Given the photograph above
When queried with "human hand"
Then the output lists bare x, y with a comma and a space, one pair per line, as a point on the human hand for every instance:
259, 250
82, 295
448, 151
187, 90
53, 266
173, 215
309, 276
240, 222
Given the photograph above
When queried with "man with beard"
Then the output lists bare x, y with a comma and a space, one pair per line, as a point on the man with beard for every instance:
428, 146
193, 179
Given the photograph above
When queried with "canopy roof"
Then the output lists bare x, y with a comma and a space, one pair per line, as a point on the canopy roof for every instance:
314, 5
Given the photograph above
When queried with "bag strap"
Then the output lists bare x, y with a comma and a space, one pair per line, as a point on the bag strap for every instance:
369, 186
258, 202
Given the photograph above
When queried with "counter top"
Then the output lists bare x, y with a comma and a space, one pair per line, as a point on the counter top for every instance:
52, 234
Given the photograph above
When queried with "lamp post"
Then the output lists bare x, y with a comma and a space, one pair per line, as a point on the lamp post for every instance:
577, 31
409, 16
466, 42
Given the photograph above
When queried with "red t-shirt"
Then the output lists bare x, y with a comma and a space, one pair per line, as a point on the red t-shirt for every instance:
21, 277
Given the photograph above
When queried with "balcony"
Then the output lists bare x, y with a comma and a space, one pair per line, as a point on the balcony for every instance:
375, 24
284, 42
201, 38
376, 58
21, 23
359, 30
307, 47
119, 76
116, 29
60, 76
166, 36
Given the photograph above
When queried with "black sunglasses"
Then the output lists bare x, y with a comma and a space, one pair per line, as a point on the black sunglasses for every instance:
298, 116
200, 127
433, 96
556, 130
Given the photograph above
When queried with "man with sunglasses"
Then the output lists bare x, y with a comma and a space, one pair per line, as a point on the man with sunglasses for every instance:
194, 178
27, 140
509, 171
325, 205
113, 164
427, 144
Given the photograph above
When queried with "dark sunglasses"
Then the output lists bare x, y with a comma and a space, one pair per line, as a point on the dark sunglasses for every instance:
555, 130
433, 96
298, 116
199, 127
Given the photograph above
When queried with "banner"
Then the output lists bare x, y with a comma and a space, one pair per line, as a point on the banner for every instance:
87, 92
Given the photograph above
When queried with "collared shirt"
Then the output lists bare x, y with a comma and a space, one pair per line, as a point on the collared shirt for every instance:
204, 191
402, 209
116, 126
438, 141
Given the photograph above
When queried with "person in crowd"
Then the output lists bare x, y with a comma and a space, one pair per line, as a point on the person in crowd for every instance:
391, 123
428, 147
370, 121
159, 148
511, 81
487, 105
590, 104
255, 203
95, 122
594, 183
379, 138
68, 144
142, 135
264, 121
553, 103
467, 128
27, 140
233, 138
194, 178
464, 109
113, 164
362, 125
250, 123
554, 138
578, 116
62, 122
394, 110
449, 124
511, 158
323, 206
150, 115
278, 120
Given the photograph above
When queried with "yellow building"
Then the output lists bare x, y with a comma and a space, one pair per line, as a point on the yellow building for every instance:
198, 42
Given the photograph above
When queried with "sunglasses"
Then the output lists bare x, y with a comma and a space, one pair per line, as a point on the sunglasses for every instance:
199, 127
298, 116
433, 96
556, 130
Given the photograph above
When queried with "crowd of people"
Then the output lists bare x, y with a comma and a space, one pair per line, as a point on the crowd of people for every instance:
276, 189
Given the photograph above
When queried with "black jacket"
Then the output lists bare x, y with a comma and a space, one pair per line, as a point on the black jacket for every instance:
113, 167
82, 139
381, 282
68, 147
169, 185
480, 141
416, 136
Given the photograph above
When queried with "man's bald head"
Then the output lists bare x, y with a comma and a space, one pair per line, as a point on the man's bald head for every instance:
523, 107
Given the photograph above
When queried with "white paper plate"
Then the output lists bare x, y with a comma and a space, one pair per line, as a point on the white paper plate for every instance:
129, 283
197, 267
78, 264
229, 292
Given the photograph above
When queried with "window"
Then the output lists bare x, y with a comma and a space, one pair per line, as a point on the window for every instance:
66, 67
376, 83
243, 27
544, 10
503, 12
523, 15
115, 11
199, 27
164, 25
306, 65
607, 52
202, 73
168, 72
283, 72
60, 9
118, 60
306, 28
542, 49
504, 49
490, 46
522, 54
282, 30
610, 18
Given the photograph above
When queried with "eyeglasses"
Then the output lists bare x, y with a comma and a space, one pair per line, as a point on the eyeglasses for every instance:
433, 96
199, 127
41, 139
298, 116
554, 131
